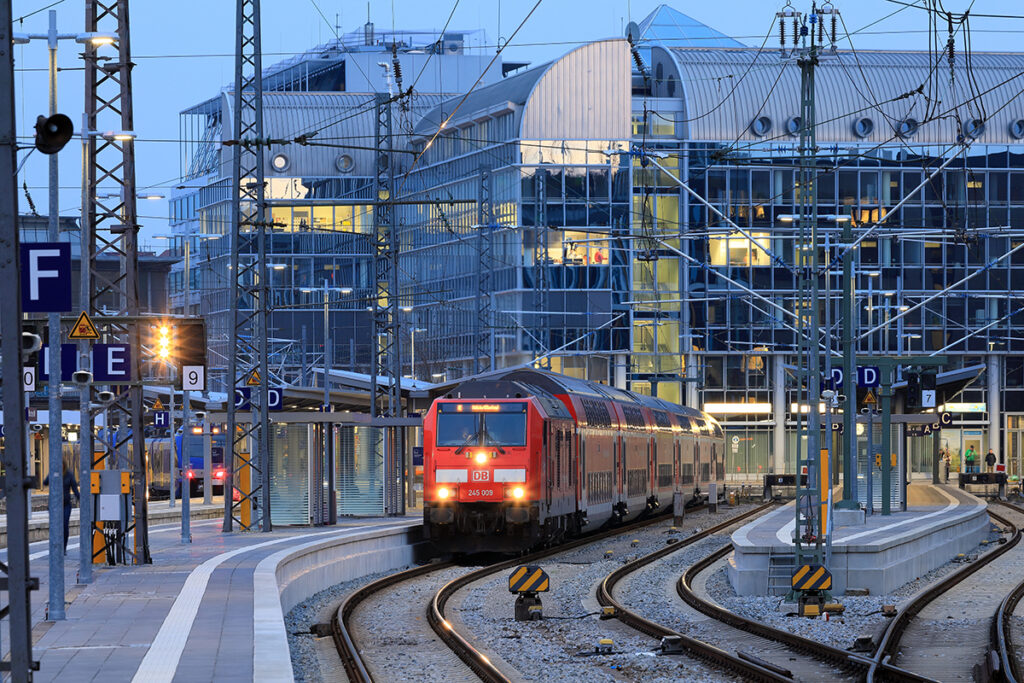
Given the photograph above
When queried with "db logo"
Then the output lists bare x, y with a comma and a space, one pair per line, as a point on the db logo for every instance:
481, 475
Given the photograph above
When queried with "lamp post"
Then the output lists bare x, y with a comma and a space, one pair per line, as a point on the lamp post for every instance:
55, 405
412, 349
328, 449
186, 400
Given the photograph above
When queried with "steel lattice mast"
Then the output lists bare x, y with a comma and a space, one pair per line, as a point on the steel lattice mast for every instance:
248, 472
386, 397
484, 332
110, 229
541, 284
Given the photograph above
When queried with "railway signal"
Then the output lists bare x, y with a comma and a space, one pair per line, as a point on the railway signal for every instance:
526, 581
813, 582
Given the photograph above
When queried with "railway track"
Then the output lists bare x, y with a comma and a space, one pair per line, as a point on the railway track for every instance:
769, 657
348, 648
774, 644
748, 668
1002, 627
974, 653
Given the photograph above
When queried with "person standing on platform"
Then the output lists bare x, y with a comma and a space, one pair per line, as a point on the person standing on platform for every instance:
70, 485
944, 456
990, 460
969, 459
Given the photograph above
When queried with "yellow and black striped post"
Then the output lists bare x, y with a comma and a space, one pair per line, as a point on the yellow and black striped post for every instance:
812, 577
526, 581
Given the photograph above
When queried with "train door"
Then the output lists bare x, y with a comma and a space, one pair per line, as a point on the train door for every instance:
675, 464
620, 464
696, 465
546, 459
713, 475
652, 458
580, 463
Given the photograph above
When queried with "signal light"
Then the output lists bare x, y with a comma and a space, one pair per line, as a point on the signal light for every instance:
162, 341
191, 474
218, 474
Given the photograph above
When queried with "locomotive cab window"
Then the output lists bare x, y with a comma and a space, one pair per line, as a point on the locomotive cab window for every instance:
493, 424
504, 429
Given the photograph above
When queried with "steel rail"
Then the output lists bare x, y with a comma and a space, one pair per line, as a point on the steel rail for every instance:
348, 650
474, 659
355, 667
890, 640
697, 648
844, 658
1002, 625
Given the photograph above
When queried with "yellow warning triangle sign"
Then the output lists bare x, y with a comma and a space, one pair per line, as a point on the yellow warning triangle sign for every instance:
254, 379
157, 405
869, 399
84, 329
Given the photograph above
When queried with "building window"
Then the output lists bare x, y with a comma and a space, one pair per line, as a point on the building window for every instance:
325, 218
738, 250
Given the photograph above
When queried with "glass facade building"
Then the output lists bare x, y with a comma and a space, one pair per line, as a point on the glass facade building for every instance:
535, 232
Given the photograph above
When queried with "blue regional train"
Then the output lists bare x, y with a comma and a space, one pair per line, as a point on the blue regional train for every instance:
158, 461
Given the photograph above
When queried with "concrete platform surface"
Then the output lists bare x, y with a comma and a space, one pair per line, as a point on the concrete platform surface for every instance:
160, 512
880, 555
198, 612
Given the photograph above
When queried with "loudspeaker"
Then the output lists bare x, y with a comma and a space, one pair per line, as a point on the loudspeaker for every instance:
53, 132
81, 377
30, 343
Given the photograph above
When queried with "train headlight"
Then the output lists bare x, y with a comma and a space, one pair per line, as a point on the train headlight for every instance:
443, 493
481, 458
518, 492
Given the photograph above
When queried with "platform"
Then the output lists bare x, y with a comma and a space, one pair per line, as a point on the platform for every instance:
880, 555
196, 613
160, 512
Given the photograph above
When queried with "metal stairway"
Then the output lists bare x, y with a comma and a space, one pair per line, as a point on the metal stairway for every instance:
781, 564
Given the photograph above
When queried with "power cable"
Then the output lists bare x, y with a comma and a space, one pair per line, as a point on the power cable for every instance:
441, 127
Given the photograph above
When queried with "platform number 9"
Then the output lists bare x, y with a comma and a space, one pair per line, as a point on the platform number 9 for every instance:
193, 377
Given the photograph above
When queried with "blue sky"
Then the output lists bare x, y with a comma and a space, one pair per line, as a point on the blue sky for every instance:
183, 55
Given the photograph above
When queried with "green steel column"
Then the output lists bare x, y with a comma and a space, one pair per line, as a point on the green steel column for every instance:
886, 394
849, 500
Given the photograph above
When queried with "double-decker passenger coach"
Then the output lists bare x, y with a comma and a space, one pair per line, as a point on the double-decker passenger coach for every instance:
523, 458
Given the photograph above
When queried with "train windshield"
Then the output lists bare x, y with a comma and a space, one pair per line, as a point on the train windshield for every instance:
486, 425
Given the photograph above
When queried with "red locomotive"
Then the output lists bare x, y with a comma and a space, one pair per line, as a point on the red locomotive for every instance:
523, 458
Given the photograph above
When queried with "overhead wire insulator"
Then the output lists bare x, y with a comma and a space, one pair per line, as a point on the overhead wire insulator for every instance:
796, 31
396, 67
821, 32
782, 34
641, 67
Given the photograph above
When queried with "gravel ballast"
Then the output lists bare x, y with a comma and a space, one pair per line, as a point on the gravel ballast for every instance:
561, 647
862, 616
